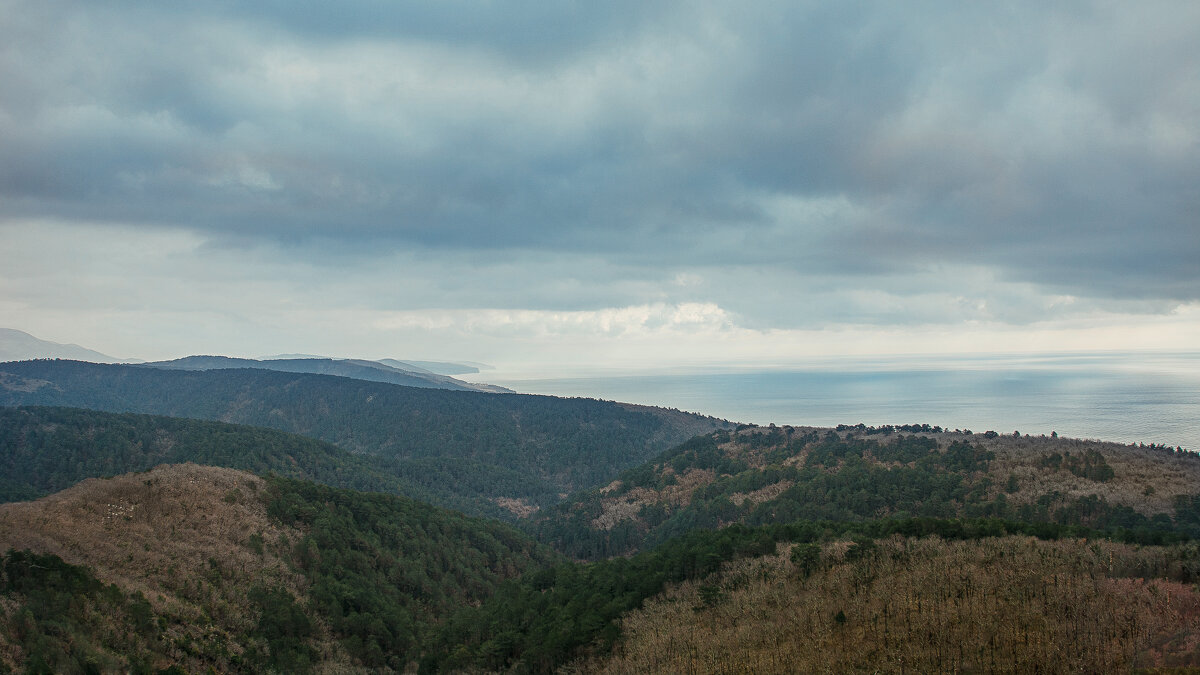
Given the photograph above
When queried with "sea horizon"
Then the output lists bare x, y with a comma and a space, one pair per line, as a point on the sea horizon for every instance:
1124, 397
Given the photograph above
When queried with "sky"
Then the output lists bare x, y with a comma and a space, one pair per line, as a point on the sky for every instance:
621, 184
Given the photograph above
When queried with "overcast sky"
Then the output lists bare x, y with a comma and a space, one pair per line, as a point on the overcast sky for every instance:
614, 182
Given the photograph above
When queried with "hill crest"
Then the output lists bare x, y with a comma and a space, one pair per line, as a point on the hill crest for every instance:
148, 531
17, 345
761, 475
359, 369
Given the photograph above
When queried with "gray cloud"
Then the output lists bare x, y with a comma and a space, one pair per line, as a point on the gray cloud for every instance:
835, 153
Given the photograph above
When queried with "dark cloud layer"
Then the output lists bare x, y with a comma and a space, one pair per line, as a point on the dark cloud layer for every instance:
820, 145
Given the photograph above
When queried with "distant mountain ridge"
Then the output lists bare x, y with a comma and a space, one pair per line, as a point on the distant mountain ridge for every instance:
439, 367
16, 345
359, 369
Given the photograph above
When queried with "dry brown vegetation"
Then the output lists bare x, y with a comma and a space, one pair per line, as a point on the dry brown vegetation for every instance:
923, 606
762, 494
1147, 480
192, 539
520, 508
626, 506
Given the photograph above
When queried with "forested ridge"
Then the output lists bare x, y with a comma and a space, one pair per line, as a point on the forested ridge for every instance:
463, 449
759, 476
44, 450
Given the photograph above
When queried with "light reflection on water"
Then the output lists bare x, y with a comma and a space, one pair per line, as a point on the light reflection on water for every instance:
1124, 398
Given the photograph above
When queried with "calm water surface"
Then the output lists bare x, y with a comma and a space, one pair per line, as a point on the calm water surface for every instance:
1125, 398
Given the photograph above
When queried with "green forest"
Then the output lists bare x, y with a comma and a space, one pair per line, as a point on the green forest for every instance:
44, 450
463, 449
384, 569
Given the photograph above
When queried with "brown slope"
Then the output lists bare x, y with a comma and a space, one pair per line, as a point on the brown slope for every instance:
1146, 479
923, 605
179, 534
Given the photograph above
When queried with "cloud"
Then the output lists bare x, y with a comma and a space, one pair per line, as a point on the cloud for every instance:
792, 164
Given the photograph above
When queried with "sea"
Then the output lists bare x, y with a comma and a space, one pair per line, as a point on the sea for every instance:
1122, 397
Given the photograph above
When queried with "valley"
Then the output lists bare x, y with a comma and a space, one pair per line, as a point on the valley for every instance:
463, 449
249, 520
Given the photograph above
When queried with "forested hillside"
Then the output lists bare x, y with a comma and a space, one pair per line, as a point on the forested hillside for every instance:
461, 448
759, 476
825, 596
899, 550
215, 568
43, 450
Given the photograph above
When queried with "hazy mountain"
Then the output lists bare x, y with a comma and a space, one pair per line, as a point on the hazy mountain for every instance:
18, 345
435, 367
439, 367
405, 365
471, 450
359, 369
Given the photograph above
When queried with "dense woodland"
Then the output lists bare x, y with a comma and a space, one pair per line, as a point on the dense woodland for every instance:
382, 568
44, 450
462, 448
61, 618
754, 549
